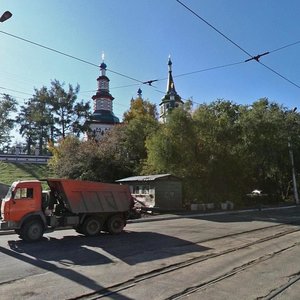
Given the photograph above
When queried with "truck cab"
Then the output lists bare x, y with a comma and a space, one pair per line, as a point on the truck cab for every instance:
23, 199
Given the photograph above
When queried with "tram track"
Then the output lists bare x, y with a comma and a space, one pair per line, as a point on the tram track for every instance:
233, 272
279, 290
281, 231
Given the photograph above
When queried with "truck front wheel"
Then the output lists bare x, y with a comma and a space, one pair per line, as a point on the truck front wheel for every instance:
32, 231
91, 226
115, 224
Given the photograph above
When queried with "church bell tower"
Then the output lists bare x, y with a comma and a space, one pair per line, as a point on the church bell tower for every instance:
171, 99
103, 117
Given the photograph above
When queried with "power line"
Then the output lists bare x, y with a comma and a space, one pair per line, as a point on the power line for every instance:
214, 28
11, 90
149, 82
67, 55
3, 94
283, 47
278, 74
257, 57
210, 69
111, 88
48, 48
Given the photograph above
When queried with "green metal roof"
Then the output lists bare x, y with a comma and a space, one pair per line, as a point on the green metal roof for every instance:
104, 116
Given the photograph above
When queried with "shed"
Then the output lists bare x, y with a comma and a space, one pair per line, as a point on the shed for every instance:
162, 191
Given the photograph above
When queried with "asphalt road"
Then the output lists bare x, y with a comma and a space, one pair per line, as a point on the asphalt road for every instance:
242, 255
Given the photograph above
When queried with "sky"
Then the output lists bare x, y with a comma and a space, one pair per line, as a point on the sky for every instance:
137, 37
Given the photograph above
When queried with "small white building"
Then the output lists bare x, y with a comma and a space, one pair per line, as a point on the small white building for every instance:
161, 192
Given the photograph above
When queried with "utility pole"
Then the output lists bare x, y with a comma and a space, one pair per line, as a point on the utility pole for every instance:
293, 171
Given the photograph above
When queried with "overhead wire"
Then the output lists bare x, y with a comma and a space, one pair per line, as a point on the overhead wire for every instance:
209, 69
283, 47
214, 28
12, 90
3, 94
257, 57
149, 82
280, 75
67, 55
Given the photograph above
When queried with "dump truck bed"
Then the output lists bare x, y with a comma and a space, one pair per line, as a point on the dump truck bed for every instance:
91, 197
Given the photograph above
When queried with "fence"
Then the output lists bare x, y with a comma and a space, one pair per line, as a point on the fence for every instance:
22, 158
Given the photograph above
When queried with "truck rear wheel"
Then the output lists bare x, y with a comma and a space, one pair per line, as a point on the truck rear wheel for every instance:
32, 231
91, 226
115, 224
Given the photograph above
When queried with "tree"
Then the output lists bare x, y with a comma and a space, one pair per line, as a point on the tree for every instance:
140, 123
51, 114
136, 132
174, 149
69, 116
7, 107
218, 133
266, 127
91, 160
65, 161
36, 121
81, 114
27, 126
138, 108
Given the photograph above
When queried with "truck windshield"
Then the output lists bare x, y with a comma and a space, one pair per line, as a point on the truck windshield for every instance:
9, 193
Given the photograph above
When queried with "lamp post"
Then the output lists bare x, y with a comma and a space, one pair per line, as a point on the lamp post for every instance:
5, 16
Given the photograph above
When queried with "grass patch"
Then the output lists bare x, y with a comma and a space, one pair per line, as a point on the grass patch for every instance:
10, 172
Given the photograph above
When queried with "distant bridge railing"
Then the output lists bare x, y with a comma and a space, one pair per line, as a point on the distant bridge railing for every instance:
22, 158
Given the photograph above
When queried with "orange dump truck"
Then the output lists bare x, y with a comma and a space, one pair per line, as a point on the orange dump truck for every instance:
88, 207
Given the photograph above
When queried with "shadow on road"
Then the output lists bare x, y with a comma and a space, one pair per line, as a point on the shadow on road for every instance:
57, 255
129, 247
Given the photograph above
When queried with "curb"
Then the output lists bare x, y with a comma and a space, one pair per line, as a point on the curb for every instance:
232, 212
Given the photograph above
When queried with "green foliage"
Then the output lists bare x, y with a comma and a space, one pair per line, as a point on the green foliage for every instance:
140, 108
10, 172
35, 120
266, 129
52, 114
172, 148
136, 132
64, 161
7, 106
120, 153
223, 151
91, 160
67, 113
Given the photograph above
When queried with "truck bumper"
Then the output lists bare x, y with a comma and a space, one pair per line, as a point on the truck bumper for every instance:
6, 225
